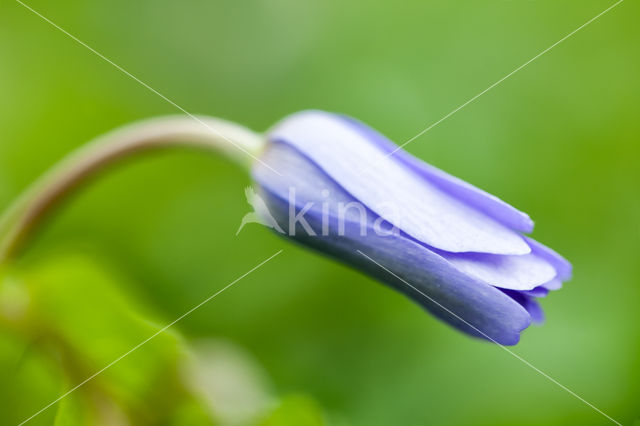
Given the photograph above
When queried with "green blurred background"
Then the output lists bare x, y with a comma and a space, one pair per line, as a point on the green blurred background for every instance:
559, 140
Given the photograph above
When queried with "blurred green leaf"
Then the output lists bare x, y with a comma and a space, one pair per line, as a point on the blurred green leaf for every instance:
296, 410
80, 314
71, 412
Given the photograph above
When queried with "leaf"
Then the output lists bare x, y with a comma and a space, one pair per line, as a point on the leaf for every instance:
80, 313
296, 410
71, 318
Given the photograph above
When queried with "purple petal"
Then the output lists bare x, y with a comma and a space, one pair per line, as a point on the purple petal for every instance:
462, 301
535, 310
384, 184
523, 272
561, 265
529, 303
554, 284
539, 291
483, 201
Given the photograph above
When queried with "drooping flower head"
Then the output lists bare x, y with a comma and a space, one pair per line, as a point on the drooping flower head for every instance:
458, 251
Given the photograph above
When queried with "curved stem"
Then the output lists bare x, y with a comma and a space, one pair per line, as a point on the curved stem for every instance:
29, 211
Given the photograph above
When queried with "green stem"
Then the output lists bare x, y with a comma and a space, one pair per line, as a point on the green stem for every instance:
29, 211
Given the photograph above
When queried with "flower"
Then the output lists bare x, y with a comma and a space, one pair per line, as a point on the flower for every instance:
456, 250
